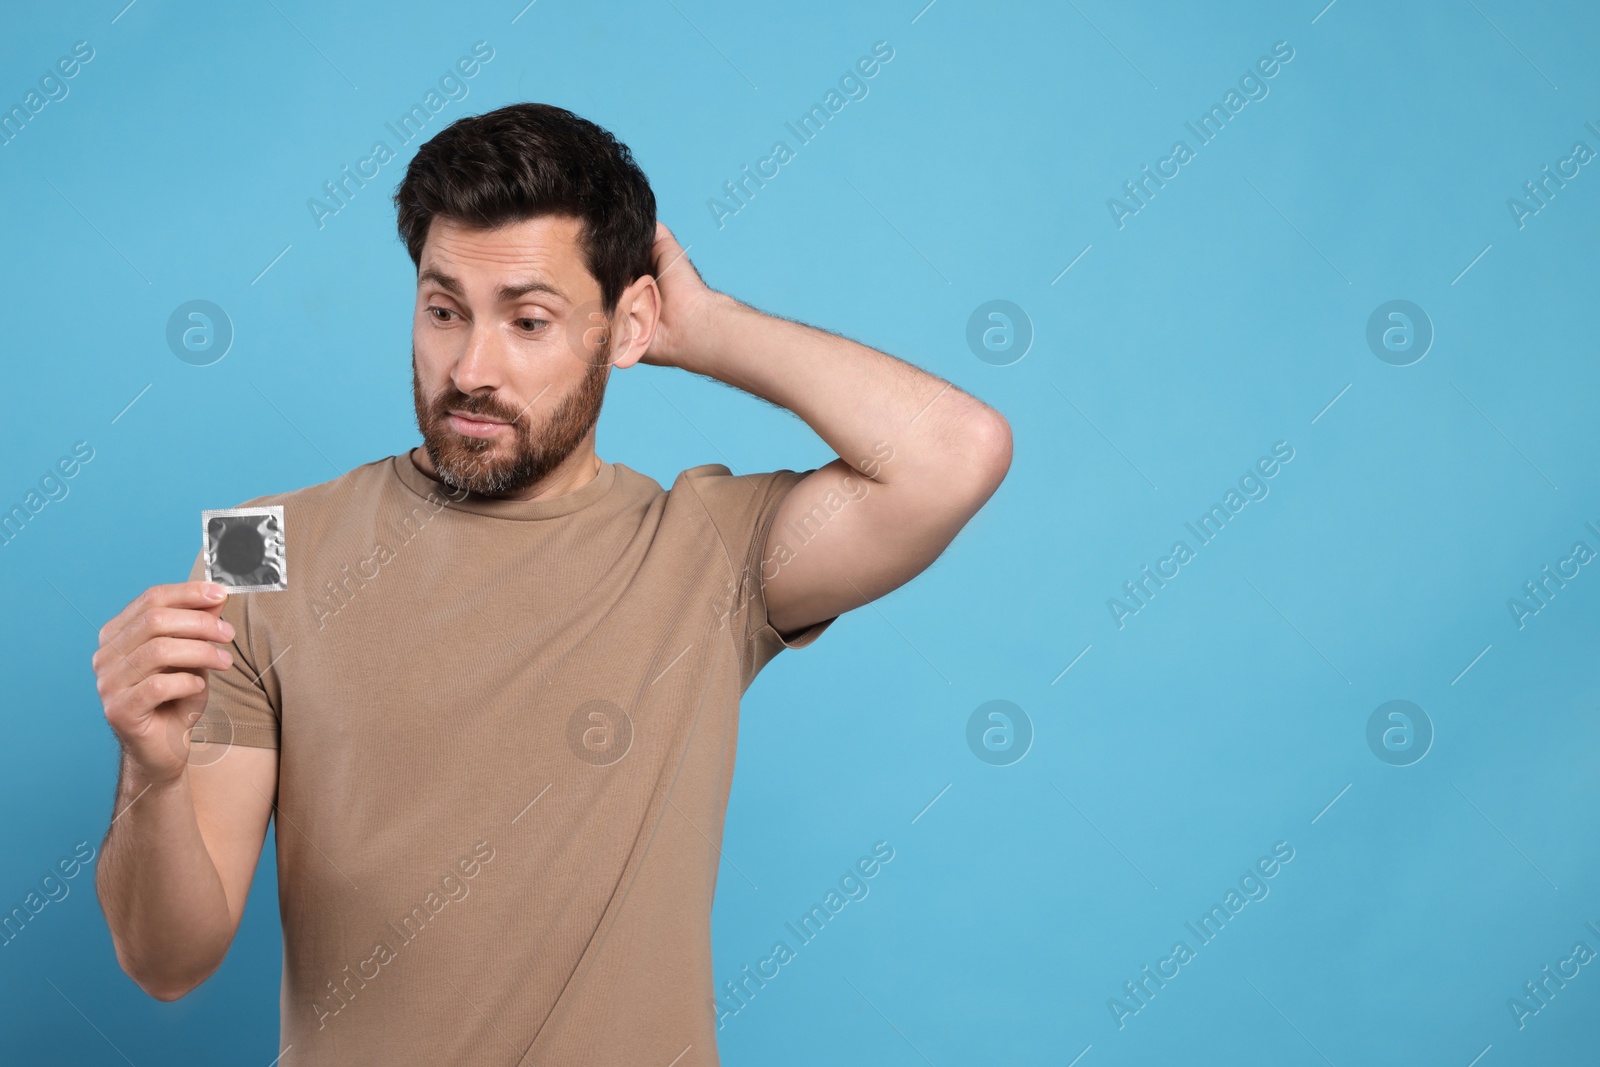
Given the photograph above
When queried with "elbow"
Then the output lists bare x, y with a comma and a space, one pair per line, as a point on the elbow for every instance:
166, 962
166, 994
165, 987
1000, 447
990, 451
163, 984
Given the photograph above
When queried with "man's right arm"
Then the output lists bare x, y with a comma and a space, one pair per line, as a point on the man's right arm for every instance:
186, 833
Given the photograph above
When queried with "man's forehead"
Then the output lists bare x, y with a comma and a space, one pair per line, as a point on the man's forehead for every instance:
543, 249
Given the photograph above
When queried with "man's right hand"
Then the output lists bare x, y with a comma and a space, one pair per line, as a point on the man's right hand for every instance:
151, 670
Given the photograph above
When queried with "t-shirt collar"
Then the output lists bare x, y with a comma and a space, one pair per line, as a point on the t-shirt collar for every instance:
405, 468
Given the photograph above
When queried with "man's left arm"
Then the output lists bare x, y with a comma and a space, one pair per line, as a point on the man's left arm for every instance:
918, 457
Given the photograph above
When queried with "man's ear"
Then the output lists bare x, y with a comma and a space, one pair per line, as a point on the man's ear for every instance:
634, 322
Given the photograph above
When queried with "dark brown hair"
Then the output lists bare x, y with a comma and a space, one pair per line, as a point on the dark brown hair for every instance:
528, 160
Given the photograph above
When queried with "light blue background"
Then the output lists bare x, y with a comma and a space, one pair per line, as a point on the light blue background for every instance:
1222, 318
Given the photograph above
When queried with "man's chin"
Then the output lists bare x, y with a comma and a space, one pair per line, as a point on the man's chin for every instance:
476, 467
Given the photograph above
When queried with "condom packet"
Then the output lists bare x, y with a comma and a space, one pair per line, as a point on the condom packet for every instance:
245, 550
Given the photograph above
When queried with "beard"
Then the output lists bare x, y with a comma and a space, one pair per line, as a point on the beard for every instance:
489, 466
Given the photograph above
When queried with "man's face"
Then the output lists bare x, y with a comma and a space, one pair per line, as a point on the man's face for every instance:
509, 359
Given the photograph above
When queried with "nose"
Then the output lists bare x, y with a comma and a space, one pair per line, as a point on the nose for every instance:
479, 366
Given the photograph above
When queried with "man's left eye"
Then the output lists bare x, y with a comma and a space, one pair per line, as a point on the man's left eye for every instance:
530, 324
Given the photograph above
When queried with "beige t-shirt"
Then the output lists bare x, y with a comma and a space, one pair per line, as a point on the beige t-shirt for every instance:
506, 737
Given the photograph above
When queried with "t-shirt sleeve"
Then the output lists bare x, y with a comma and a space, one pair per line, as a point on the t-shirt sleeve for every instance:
241, 706
742, 508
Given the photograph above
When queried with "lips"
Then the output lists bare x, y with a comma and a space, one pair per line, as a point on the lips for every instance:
475, 425
477, 418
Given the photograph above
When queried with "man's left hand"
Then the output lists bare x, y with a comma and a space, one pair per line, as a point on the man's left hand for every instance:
686, 302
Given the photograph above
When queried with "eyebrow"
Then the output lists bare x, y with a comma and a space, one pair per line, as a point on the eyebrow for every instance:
505, 294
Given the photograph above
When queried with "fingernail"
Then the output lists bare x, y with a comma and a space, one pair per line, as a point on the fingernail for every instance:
215, 592
227, 630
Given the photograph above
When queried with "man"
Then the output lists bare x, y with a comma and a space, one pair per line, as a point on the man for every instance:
494, 713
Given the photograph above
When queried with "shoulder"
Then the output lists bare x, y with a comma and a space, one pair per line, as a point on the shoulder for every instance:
715, 486
738, 506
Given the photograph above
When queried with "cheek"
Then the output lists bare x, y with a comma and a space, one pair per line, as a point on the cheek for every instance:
430, 368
